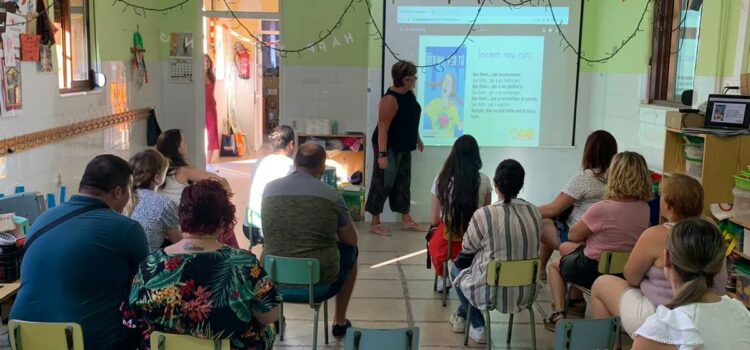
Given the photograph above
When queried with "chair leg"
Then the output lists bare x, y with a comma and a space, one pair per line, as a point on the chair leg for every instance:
510, 329
466, 329
445, 286
316, 314
325, 320
488, 328
533, 328
434, 284
282, 322
567, 298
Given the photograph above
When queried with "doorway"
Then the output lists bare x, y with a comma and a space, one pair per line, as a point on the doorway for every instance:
240, 43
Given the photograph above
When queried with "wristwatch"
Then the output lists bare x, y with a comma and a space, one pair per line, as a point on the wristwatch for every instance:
382, 154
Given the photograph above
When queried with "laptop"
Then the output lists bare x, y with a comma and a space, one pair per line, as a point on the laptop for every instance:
730, 112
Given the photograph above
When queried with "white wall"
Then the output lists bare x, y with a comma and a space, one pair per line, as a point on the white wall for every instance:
43, 108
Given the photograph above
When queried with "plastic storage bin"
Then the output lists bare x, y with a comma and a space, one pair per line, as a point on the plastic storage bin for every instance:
694, 151
353, 200
694, 168
741, 203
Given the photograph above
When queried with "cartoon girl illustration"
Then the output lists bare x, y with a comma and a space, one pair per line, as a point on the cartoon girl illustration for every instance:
442, 112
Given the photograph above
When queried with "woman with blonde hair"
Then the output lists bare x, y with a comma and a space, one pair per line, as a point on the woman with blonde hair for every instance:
154, 211
645, 286
696, 317
614, 224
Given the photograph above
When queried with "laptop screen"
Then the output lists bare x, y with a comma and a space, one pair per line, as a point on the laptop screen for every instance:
728, 111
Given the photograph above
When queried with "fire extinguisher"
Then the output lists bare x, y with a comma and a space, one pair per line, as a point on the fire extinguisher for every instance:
242, 61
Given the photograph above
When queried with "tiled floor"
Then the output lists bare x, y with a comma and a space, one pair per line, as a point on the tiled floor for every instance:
399, 294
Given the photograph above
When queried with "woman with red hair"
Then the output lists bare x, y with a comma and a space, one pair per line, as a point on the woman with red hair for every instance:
201, 287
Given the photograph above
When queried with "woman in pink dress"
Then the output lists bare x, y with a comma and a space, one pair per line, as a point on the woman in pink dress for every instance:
212, 128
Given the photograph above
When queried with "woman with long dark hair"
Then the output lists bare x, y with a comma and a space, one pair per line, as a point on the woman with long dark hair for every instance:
212, 124
172, 145
456, 194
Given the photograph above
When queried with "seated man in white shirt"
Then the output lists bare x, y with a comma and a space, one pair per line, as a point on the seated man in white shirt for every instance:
274, 166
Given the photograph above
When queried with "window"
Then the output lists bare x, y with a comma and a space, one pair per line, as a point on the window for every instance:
72, 40
674, 50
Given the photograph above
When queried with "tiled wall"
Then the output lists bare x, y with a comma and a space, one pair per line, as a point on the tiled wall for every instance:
40, 169
336, 93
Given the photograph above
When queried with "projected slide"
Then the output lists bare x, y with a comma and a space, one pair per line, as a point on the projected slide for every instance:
491, 89
510, 84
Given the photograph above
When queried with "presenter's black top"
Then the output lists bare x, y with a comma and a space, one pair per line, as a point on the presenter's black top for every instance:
402, 133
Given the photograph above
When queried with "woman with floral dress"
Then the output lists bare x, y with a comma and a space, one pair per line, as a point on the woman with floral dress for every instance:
200, 287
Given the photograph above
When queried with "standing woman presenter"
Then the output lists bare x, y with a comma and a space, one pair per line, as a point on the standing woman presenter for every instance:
395, 137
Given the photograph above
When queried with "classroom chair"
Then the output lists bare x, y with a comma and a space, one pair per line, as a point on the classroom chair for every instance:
587, 334
25, 335
391, 339
518, 273
610, 263
301, 271
165, 341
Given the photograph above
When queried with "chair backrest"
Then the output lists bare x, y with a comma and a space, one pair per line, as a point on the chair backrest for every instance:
165, 341
587, 334
25, 335
292, 270
392, 339
516, 273
613, 263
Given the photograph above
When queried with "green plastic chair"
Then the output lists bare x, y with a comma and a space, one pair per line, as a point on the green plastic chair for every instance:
372, 339
25, 335
587, 334
301, 271
165, 341
517, 273
610, 263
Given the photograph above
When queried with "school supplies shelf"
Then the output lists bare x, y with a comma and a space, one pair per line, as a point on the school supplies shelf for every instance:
346, 152
721, 158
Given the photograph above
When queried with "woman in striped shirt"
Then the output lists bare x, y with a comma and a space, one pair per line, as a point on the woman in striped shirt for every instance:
507, 230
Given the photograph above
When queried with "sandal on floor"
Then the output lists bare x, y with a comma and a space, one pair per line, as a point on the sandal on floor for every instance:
379, 230
413, 226
550, 323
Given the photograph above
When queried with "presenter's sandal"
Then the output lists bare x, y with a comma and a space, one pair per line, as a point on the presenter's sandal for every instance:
412, 226
379, 230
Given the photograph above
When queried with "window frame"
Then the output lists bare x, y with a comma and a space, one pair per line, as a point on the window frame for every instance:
62, 8
665, 47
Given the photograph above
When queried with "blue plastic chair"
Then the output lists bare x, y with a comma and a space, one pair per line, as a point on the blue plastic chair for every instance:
391, 339
300, 271
587, 334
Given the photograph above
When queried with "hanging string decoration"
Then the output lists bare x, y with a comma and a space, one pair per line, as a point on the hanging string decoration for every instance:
141, 10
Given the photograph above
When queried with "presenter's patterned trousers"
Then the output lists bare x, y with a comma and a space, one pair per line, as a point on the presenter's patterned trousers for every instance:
393, 184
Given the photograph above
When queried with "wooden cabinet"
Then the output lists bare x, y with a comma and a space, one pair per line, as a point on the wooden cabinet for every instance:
723, 157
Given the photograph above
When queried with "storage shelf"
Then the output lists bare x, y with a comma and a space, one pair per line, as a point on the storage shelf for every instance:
741, 255
743, 223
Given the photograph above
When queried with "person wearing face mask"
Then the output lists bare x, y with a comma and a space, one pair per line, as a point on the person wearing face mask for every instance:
305, 218
81, 256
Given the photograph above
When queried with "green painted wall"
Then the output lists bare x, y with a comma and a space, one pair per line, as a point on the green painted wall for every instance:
183, 21
605, 25
303, 21
115, 31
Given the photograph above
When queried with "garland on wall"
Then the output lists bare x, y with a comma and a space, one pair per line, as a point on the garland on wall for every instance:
379, 35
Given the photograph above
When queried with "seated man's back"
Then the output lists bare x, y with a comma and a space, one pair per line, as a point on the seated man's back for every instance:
81, 268
301, 218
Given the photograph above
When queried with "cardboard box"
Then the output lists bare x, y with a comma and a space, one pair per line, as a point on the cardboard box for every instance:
678, 120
